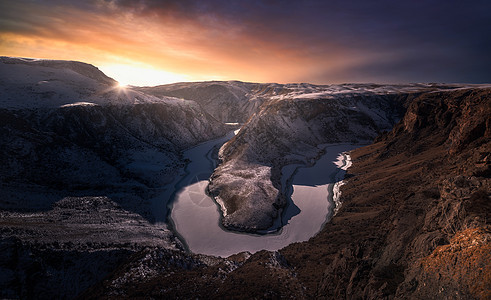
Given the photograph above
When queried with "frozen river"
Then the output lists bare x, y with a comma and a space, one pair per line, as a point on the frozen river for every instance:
195, 216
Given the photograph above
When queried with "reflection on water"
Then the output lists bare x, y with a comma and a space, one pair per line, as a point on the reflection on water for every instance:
196, 217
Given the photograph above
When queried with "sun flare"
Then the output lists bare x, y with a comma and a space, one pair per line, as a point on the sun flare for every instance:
141, 76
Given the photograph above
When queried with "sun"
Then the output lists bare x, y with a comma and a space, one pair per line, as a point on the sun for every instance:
141, 75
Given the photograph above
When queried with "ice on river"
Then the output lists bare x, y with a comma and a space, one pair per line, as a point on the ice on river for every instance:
196, 217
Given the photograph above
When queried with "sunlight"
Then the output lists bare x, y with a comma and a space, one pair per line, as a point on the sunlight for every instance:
141, 76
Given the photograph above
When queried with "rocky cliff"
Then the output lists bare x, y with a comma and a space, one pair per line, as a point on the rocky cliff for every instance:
291, 128
407, 199
414, 223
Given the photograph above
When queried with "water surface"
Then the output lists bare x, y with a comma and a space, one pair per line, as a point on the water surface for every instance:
195, 216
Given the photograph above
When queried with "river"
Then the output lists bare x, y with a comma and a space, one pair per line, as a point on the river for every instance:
195, 216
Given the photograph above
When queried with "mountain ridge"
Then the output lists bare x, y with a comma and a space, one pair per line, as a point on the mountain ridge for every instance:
87, 165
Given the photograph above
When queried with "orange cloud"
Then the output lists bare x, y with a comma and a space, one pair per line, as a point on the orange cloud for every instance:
262, 41
181, 46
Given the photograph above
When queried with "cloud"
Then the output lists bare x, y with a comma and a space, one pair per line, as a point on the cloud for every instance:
283, 41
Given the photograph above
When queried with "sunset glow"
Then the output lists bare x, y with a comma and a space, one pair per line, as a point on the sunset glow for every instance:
153, 42
141, 76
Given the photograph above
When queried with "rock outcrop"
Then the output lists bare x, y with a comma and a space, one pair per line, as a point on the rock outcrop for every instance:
406, 198
290, 129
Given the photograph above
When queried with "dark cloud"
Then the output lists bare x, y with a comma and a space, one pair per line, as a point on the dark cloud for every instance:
442, 67
350, 20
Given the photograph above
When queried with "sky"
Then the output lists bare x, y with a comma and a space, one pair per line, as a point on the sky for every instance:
150, 42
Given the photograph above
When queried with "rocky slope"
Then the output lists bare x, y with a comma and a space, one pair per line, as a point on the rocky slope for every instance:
61, 252
290, 128
405, 200
84, 167
85, 133
414, 223
227, 101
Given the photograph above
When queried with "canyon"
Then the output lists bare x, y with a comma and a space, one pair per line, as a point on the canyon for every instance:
90, 171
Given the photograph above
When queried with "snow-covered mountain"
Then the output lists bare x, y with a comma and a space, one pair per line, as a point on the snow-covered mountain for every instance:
85, 163
289, 128
69, 131
37, 83
67, 124
84, 166
235, 101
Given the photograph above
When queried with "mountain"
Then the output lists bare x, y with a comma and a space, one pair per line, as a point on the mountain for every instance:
236, 102
247, 183
291, 128
66, 124
227, 101
414, 223
88, 168
85, 167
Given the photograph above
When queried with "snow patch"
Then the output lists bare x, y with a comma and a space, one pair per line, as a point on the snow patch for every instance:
79, 104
